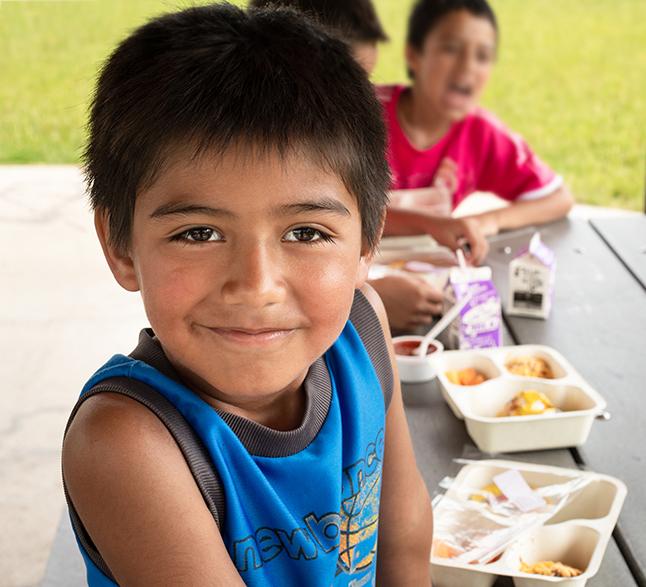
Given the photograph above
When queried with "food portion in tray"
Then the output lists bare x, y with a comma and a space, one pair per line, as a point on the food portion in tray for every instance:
530, 366
468, 376
550, 569
528, 402
487, 493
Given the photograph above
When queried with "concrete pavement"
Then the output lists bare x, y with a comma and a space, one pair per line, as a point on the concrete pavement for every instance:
61, 316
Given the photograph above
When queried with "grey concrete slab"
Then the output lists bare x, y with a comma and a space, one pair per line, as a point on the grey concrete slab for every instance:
65, 566
61, 316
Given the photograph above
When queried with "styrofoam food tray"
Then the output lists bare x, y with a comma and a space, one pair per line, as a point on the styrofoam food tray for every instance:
577, 535
479, 404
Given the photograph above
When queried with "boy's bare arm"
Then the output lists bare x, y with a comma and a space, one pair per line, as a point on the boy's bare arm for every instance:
405, 515
137, 498
524, 212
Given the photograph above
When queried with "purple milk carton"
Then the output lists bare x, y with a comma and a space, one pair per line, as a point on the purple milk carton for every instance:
479, 324
531, 280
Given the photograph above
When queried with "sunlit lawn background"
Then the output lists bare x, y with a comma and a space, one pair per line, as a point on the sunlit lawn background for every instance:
571, 78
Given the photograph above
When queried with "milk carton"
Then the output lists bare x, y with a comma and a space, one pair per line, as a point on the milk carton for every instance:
479, 324
531, 280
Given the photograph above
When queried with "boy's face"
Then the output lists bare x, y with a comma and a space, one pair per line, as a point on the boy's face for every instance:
454, 64
247, 267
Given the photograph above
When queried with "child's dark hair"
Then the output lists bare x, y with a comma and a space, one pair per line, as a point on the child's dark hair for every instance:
214, 77
426, 14
352, 20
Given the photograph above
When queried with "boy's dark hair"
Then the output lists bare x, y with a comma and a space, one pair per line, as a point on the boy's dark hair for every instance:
426, 14
214, 77
352, 20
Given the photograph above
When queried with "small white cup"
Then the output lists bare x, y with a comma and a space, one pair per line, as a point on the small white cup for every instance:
413, 368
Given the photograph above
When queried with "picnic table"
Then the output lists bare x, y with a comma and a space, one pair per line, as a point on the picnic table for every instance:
598, 322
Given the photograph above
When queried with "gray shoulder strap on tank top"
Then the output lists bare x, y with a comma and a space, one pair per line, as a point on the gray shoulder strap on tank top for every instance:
366, 322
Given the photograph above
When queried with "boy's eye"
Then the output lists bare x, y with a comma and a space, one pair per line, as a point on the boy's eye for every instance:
199, 234
484, 57
306, 234
451, 48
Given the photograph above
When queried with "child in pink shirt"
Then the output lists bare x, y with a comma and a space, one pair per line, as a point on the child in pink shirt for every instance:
442, 144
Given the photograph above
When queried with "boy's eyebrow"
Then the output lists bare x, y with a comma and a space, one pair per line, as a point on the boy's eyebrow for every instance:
181, 209
319, 205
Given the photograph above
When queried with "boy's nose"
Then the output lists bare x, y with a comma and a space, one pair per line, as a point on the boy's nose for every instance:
254, 278
469, 61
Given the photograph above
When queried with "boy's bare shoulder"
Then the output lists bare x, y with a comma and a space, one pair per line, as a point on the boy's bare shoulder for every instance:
110, 421
113, 437
135, 494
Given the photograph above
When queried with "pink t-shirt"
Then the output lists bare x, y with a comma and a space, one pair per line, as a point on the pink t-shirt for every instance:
489, 157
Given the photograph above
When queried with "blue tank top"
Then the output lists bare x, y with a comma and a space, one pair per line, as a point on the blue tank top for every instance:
302, 507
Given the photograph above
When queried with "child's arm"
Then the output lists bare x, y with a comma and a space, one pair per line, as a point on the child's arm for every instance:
138, 500
450, 232
524, 212
405, 515
410, 301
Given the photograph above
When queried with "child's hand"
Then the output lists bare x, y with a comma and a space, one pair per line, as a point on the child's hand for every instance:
487, 222
446, 176
454, 232
409, 300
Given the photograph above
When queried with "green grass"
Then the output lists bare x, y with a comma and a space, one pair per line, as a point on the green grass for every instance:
571, 78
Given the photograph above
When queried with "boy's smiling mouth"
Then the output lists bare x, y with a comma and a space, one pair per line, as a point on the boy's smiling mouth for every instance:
465, 90
252, 337
459, 96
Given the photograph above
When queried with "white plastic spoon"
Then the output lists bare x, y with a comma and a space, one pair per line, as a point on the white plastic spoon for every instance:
441, 325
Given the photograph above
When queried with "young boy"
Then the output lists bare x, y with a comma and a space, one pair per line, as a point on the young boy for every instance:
451, 49
354, 21
237, 172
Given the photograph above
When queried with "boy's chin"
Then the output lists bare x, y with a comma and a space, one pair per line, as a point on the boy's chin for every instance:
457, 114
253, 386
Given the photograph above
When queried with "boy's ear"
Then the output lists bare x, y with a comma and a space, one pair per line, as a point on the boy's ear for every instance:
368, 255
362, 271
120, 262
412, 58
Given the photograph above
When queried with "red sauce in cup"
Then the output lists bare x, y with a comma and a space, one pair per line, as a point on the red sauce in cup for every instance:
406, 348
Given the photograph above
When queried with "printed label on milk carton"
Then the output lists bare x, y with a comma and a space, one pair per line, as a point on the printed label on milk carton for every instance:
531, 280
479, 324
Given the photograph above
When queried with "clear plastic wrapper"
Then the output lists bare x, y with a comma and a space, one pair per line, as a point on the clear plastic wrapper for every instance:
475, 525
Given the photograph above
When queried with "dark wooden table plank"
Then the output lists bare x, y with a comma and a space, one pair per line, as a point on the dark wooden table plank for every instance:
598, 322
626, 236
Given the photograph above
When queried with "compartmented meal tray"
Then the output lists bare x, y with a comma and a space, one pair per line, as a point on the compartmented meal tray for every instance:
574, 403
576, 535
